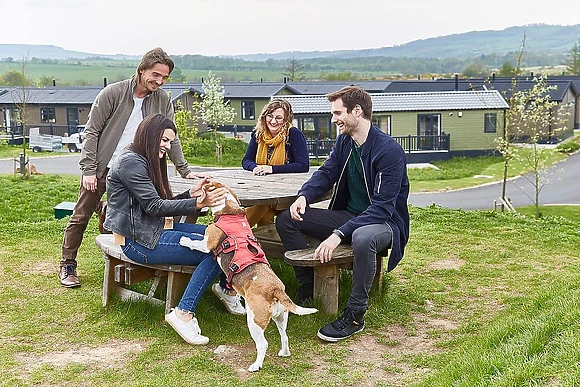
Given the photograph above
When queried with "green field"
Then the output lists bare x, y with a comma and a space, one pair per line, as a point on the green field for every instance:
91, 73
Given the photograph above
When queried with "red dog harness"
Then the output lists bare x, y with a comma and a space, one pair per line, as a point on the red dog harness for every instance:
239, 237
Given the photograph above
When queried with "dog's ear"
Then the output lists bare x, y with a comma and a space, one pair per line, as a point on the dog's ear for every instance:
234, 195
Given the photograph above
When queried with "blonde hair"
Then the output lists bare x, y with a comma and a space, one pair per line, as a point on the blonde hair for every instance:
274, 104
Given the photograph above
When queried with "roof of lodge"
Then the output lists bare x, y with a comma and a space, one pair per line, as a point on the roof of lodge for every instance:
51, 95
394, 102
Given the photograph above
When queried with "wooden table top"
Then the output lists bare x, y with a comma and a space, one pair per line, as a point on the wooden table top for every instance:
279, 188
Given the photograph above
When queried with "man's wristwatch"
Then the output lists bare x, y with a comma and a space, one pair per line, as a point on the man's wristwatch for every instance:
338, 233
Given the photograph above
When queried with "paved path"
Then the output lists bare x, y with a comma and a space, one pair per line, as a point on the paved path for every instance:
564, 186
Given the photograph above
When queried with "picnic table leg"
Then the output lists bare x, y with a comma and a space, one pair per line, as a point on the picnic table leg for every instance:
176, 284
109, 283
326, 281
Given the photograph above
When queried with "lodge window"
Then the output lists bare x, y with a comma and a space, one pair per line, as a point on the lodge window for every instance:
47, 115
383, 123
490, 123
248, 110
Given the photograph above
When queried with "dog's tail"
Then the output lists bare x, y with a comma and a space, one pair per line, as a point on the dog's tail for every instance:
287, 302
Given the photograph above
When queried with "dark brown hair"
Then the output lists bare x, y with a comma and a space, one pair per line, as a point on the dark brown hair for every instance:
151, 58
146, 142
274, 104
352, 96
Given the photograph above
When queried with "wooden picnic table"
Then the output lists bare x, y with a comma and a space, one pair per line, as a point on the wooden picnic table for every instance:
278, 188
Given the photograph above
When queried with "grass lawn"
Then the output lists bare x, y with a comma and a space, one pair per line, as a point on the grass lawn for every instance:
567, 212
480, 299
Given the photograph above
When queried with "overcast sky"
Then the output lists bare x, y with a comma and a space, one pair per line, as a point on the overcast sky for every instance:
227, 27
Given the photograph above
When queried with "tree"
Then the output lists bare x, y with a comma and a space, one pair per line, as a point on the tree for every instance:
504, 143
506, 70
177, 76
45, 81
294, 71
21, 97
573, 60
183, 120
473, 70
14, 78
536, 118
212, 109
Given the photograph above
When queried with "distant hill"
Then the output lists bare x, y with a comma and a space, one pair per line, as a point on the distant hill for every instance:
19, 51
541, 39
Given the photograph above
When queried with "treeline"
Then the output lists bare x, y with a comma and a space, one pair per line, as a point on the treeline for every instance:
330, 69
388, 65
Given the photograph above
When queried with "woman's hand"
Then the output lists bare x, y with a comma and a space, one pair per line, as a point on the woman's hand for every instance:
213, 197
197, 189
262, 170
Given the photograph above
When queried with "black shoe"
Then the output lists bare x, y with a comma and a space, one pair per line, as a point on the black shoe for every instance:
68, 276
345, 326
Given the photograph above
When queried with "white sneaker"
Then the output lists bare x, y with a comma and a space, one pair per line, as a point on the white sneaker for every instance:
189, 331
233, 303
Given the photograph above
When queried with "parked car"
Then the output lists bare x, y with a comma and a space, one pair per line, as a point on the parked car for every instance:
74, 142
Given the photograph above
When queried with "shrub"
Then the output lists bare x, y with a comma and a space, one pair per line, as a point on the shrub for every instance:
201, 151
568, 146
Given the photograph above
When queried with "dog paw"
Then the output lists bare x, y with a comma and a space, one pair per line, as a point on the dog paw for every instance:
255, 367
284, 352
199, 245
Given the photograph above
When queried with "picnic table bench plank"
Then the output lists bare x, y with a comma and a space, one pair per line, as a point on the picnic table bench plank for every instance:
120, 271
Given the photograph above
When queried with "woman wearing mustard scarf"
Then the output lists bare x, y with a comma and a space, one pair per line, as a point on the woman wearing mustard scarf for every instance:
275, 147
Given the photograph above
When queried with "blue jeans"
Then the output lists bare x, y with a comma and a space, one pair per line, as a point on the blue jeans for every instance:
366, 242
168, 251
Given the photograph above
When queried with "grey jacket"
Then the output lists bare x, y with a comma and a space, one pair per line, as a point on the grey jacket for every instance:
107, 119
134, 207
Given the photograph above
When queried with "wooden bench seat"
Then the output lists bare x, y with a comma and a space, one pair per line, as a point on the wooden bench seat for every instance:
326, 275
120, 272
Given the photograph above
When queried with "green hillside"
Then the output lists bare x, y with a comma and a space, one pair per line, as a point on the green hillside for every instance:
541, 39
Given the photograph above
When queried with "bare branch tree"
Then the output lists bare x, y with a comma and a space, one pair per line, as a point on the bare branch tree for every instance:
21, 96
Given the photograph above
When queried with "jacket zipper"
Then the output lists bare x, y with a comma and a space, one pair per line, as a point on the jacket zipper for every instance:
132, 219
365, 178
339, 179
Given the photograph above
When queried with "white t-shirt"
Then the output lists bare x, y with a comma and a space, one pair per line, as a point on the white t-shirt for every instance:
129, 132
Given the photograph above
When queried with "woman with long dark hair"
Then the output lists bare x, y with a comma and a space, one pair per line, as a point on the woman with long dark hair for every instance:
139, 198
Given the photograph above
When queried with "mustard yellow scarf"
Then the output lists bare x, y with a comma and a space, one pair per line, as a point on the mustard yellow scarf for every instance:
278, 143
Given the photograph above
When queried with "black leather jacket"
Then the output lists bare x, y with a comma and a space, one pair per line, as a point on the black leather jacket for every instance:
134, 208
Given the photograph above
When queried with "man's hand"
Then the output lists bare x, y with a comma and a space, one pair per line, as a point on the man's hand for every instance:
262, 170
197, 189
325, 249
297, 208
90, 183
197, 175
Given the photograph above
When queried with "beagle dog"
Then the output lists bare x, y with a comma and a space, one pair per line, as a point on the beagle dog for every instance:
243, 261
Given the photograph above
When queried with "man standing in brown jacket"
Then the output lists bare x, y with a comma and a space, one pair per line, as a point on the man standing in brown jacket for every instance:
113, 119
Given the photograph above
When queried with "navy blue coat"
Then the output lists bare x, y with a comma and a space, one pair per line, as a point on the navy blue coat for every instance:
385, 172
295, 147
